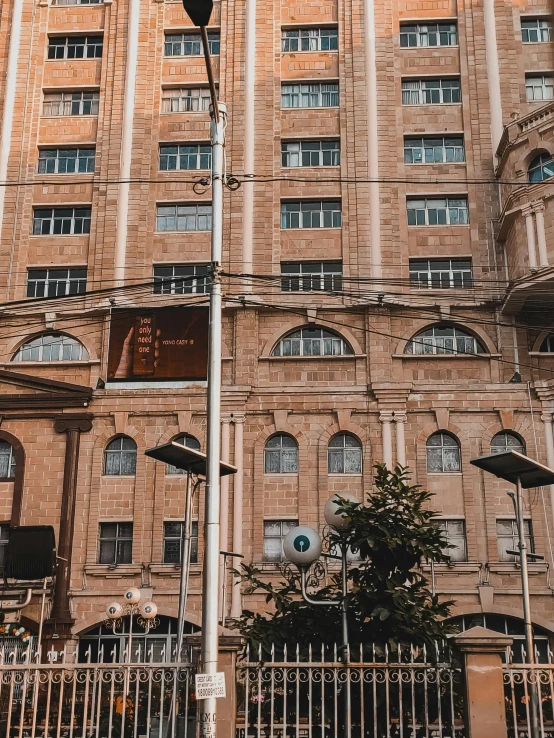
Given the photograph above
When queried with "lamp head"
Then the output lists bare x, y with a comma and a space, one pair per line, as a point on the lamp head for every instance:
337, 520
114, 610
148, 610
302, 546
132, 596
199, 11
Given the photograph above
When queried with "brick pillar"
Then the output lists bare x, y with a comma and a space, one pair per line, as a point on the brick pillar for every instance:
482, 650
60, 620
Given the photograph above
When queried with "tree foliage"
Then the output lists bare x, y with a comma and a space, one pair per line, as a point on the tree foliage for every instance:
389, 600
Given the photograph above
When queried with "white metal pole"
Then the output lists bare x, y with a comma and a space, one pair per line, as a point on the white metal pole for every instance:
210, 574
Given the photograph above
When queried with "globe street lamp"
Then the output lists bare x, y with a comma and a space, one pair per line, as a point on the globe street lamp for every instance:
132, 606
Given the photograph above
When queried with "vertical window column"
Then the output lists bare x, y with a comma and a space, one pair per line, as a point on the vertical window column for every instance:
386, 419
527, 212
538, 208
400, 420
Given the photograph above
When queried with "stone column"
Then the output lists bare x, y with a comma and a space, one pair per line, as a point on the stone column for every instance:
249, 128
549, 442
224, 507
530, 227
493, 74
482, 650
72, 425
400, 420
541, 233
386, 420
236, 603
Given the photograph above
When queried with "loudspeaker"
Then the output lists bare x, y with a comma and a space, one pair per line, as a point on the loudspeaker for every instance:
31, 552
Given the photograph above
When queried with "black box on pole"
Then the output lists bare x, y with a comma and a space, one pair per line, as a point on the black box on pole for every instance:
31, 552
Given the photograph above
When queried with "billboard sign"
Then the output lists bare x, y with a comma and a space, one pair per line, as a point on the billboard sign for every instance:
160, 344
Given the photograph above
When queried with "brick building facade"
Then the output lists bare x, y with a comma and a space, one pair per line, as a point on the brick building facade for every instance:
387, 276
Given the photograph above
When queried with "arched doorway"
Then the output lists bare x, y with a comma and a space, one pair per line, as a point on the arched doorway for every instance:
509, 626
100, 644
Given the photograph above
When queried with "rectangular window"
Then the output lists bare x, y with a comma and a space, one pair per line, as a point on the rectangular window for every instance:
185, 157
77, 2
439, 150
536, 30
185, 100
4, 538
316, 95
61, 221
310, 153
181, 279
190, 44
430, 274
56, 282
539, 87
71, 103
173, 536
304, 276
116, 543
274, 533
181, 218
508, 539
437, 211
66, 161
309, 39
455, 534
75, 47
430, 91
428, 34
311, 214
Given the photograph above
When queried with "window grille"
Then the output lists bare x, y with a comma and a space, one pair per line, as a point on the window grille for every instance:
541, 168
120, 457
189, 442
52, 347
344, 455
312, 342
56, 282
455, 533
508, 538
311, 276
116, 543
539, 87
186, 100
274, 535
61, 221
316, 95
71, 103
444, 340
181, 279
310, 153
506, 441
182, 218
441, 273
436, 150
309, 39
281, 455
429, 34
311, 214
443, 454
173, 539
430, 91
190, 44
536, 30
185, 157
66, 161
75, 47
7, 460
434, 211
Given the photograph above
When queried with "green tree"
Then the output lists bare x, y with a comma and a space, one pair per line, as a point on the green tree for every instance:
389, 598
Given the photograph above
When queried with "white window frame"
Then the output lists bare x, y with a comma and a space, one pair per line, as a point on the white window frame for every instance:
424, 32
454, 213
422, 157
444, 449
186, 99
302, 214
433, 277
285, 526
197, 215
85, 154
282, 452
189, 441
60, 104
190, 44
310, 153
90, 42
309, 39
117, 539
309, 95
341, 452
4, 540
543, 29
61, 344
444, 340
298, 343
306, 276
195, 154
512, 540
193, 541
458, 539
422, 91
56, 286
546, 87
77, 2
194, 279
7, 453
71, 216
497, 448
112, 451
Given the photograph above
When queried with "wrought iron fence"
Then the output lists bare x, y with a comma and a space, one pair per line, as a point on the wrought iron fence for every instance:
312, 693
60, 699
527, 685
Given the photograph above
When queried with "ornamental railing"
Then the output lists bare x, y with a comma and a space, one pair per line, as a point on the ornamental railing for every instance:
312, 693
96, 700
523, 685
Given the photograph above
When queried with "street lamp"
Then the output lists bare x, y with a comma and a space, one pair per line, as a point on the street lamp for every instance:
132, 606
525, 473
302, 546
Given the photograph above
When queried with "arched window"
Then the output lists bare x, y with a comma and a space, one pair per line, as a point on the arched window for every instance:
443, 453
189, 442
547, 346
541, 168
120, 457
506, 441
281, 455
7, 460
444, 339
344, 455
51, 347
312, 342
